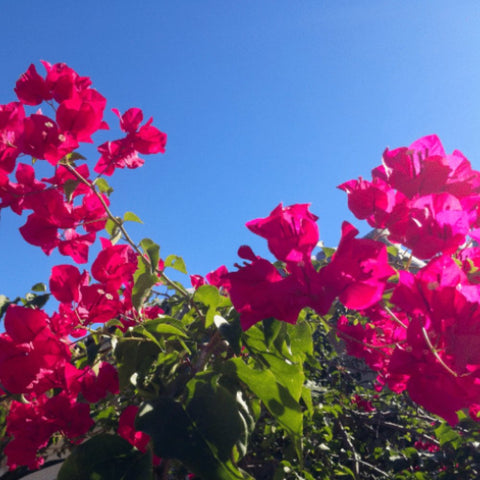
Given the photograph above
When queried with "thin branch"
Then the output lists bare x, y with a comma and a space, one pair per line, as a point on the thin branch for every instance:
356, 456
435, 353
164, 278
389, 311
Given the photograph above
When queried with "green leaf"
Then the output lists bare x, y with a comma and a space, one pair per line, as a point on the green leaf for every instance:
71, 157
288, 374
276, 397
254, 339
344, 472
176, 435
307, 399
106, 457
39, 287
158, 327
69, 187
301, 339
110, 226
208, 295
142, 288
131, 217
271, 329
38, 301
328, 251
392, 250
92, 351
176, 262
447, 434
232, 333
153, 252
113, 230
134, 355
4, 303
211, 298
114, 322
215, 413
103, 186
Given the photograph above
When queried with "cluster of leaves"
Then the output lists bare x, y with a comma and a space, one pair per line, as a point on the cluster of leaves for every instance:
352, 430
275, 402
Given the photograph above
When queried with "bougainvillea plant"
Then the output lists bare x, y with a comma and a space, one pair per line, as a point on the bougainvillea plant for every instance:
136, 376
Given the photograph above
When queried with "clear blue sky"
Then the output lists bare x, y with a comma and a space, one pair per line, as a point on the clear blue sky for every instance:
263, 101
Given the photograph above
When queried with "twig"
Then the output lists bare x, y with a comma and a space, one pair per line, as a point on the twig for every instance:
162, 276
356, 456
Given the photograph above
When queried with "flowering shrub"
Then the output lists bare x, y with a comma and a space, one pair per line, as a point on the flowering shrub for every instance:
135, 376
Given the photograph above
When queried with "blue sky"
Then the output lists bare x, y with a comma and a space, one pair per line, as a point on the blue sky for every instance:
263, 101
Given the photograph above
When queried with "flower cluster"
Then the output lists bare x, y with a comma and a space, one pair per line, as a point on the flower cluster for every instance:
425, 199
416, 324
66, 214
357, 274
424, 337
50, 391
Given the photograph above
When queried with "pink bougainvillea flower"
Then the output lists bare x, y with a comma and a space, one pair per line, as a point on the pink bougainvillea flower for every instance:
258, 292
426, 199
65, 322
22, 450
114, 265
374, 340
474, 412
65, 281
440, 355
50, 213
31, 88
43, 140
358, 271
21, 195
153, 311
63, 82
428, 446
51, 206
291, 232
24, 324
91, 213
122, 153
431, 385
12, 118
436, 223
40, 232
197, 281
420, 169
374, 201
98, 304
81, 115
363, 404
117, 154
29, 431
18, 365
126, 429
67, 181
70, 417
30, 426
218, 278
146, 139
96, 387
28, 346
470, 258
424, 168
76, 245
